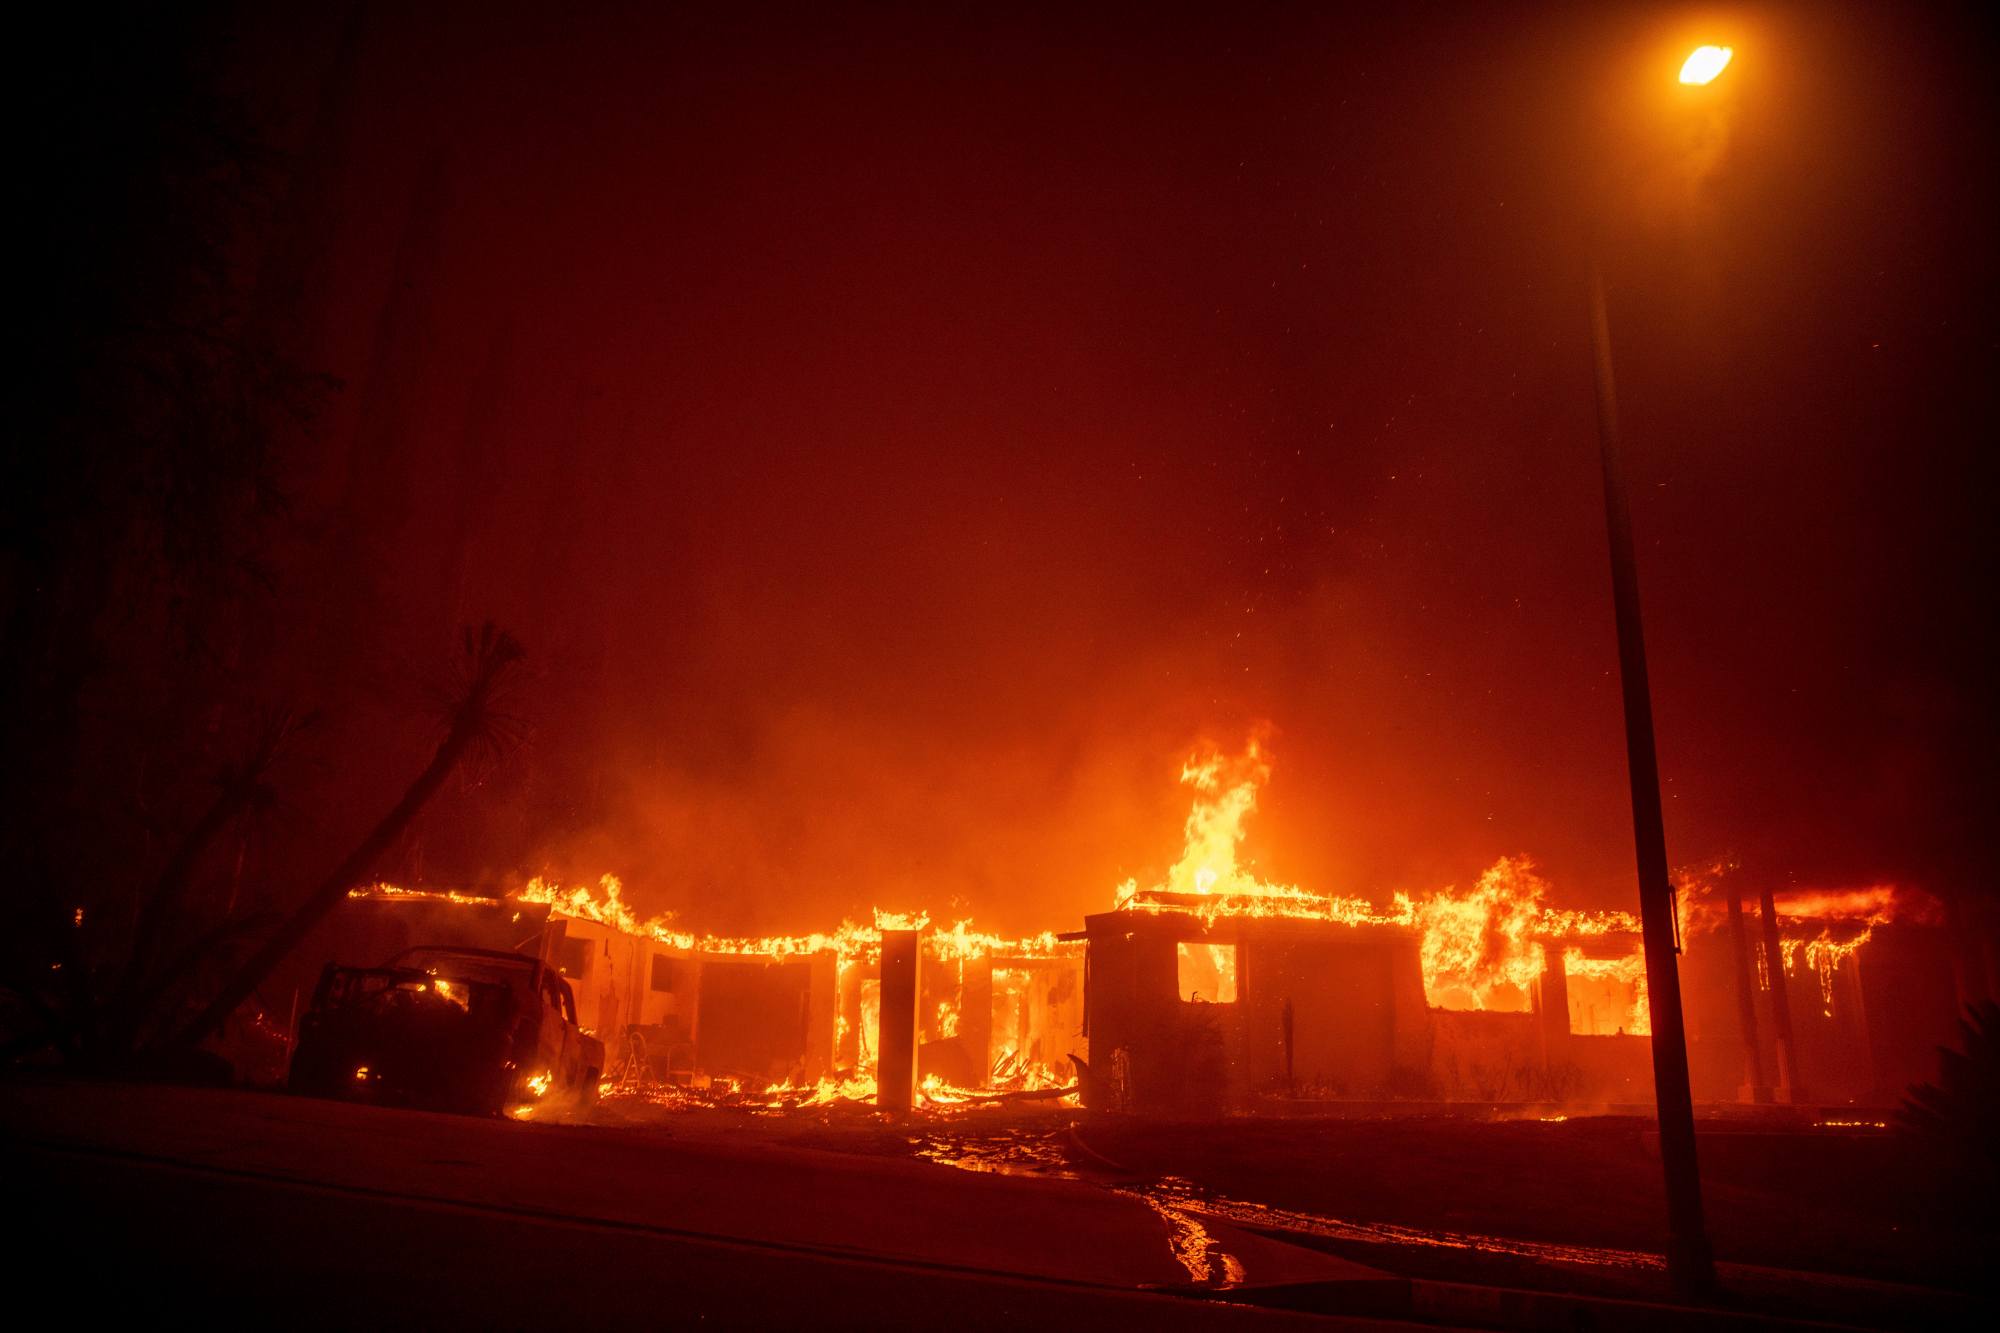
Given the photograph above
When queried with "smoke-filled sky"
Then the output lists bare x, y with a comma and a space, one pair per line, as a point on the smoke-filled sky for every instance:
900, 439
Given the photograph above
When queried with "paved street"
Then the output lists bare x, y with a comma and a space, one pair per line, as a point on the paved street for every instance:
284, 1209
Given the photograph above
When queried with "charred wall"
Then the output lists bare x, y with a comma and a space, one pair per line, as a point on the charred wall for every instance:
1313, 1009
765, 1020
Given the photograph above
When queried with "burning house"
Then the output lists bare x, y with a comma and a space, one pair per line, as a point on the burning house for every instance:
668, 1005
1210, 991
1202, 1006
1215, 990
1191, 1012
788, 1016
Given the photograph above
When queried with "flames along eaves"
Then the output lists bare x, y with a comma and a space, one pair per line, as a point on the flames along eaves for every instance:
1481, 947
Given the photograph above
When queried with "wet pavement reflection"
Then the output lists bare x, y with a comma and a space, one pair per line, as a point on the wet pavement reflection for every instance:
1182, 1206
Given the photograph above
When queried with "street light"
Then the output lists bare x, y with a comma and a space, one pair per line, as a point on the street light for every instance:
1690, 1261
1705, 63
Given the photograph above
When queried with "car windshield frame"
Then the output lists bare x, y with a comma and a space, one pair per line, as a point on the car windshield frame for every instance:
515, 973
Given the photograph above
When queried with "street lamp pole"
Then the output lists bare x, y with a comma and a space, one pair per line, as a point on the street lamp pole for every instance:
1690, 1263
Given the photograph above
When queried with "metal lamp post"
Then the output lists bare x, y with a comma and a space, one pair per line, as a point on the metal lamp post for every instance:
1690, 1261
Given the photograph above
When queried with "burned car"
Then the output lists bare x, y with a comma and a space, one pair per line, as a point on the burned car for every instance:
472, 1030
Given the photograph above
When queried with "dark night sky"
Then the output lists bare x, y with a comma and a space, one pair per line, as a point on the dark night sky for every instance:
901, 439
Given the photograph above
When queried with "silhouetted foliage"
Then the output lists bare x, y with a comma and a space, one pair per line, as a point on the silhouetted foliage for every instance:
474, 727
1955, 1122
134, 500
139, 502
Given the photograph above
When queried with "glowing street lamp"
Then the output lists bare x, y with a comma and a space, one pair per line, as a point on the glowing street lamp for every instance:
1690, 1261
1705, 63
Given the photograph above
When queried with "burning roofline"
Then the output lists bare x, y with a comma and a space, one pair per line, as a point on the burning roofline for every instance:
851, 941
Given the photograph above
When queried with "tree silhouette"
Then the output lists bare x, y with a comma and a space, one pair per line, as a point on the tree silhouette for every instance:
1951, 1121
475, 727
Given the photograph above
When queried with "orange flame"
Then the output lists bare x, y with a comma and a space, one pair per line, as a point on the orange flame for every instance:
1480, 949
1875, 905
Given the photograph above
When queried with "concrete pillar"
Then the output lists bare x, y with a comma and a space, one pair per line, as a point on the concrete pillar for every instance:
1552, 1007
896, 1067
975, 1015
1791, 1087
1861, 1026
1757, 1082
1413, 1030
822, 1014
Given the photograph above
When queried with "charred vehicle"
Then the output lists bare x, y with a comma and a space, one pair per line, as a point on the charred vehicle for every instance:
473, 1030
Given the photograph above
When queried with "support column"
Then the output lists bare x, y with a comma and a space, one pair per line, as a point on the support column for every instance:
1789, 1084
896, 1046
1552, 1007
975, 1015
1756, 1082
822, 1015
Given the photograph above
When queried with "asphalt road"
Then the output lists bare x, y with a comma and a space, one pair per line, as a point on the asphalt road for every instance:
240, 1207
